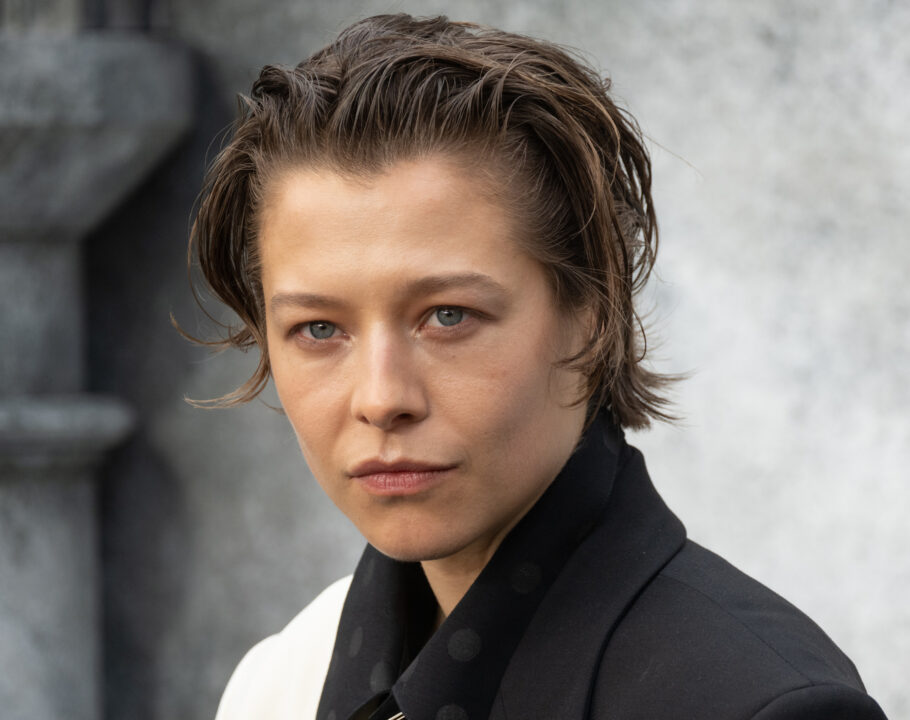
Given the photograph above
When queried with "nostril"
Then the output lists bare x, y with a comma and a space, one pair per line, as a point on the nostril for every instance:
388, 391
392, 411
387, 420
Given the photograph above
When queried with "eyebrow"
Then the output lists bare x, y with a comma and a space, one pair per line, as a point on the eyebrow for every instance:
421, 286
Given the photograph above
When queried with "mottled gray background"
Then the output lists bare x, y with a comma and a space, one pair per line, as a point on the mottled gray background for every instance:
780, 133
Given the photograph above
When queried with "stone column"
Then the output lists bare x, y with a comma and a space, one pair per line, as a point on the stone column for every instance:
83, 118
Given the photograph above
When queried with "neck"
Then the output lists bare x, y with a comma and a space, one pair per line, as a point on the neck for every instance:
450, 577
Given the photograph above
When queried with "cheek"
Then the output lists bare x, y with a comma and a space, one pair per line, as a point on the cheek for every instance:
502, 389
312, 402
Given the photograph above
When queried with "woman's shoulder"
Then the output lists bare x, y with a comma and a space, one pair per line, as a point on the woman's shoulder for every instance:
704, 635
281, 677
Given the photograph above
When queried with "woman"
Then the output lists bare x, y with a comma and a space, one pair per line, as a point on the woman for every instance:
433, 233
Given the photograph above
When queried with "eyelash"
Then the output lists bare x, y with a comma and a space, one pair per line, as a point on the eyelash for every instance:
434, 312
298, 329
308, 325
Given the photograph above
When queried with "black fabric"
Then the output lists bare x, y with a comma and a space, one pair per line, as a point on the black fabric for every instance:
595, 606
388, 709
554, 668
705, 640
828, 702
457, 673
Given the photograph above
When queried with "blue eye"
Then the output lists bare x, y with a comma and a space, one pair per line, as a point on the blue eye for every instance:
448, 316
320, 329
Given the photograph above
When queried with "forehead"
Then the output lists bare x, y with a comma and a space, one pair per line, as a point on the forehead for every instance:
417, 217
421, 189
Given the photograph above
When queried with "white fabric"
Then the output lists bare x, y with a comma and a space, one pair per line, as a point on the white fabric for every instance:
281, 677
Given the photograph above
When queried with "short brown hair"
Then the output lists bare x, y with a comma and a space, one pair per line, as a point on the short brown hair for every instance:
573, 166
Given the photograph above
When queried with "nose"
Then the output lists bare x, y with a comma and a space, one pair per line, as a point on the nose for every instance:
388, 390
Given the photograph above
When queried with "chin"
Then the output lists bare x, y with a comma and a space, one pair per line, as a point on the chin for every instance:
415, 547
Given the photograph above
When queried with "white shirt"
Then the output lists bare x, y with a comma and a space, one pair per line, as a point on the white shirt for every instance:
281, 677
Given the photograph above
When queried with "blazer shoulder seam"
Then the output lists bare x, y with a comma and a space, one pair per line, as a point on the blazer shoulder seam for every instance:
745, 625
799, 689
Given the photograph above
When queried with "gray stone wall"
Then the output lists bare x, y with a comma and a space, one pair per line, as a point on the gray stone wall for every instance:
780, 137
82, 121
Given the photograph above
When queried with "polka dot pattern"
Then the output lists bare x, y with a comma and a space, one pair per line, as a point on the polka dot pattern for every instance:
382, 677
356, 642
464, 645
452, 712
451, 674
369, 571
525, 578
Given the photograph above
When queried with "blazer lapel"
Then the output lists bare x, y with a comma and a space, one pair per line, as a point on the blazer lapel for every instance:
552, 672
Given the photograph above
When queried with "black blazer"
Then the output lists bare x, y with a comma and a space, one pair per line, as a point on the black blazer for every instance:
595, 606
670, 631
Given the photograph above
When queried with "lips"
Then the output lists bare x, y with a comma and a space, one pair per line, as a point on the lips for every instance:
403, 477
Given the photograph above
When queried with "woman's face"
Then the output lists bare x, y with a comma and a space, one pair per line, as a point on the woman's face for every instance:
412, 344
